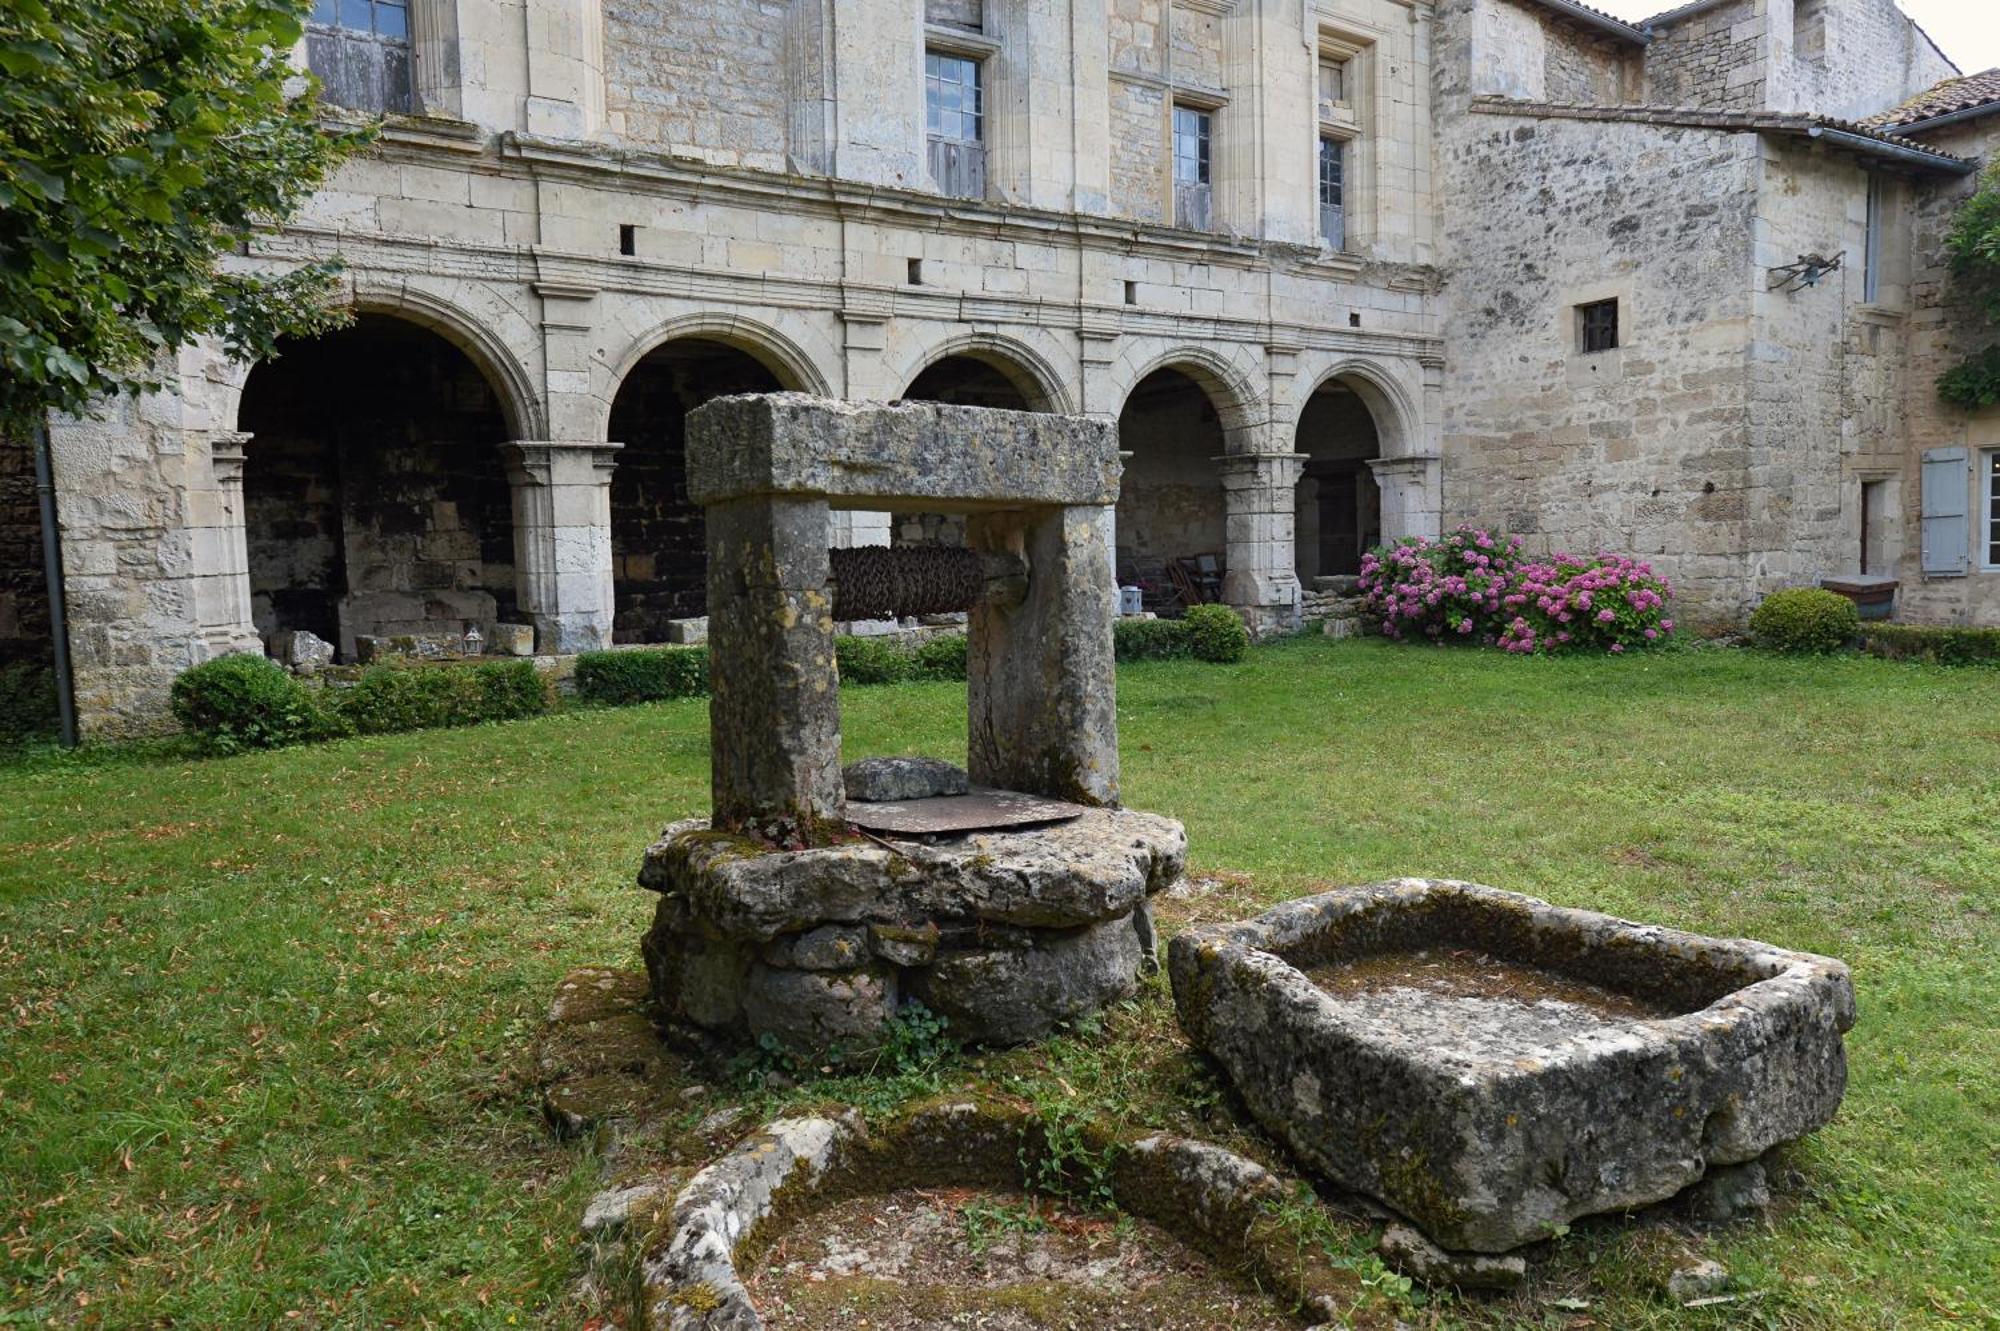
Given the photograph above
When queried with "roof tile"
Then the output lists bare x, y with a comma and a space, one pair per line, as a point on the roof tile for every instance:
1966, 93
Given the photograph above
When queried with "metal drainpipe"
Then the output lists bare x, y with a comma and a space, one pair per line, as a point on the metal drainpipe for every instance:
45, 494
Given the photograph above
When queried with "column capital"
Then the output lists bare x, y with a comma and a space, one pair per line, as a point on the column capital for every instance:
226, 456
534, 461
1245, 470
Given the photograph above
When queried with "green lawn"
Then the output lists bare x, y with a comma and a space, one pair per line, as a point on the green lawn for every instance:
262, 1020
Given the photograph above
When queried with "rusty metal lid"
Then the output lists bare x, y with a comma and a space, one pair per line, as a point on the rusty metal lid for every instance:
981, 809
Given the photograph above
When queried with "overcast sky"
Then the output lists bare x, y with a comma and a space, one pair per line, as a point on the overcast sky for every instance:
1968, 30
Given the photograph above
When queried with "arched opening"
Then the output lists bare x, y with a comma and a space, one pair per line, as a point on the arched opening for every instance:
972, 381
960, 380
659, 560
1171, 528
1339, 514
375, 498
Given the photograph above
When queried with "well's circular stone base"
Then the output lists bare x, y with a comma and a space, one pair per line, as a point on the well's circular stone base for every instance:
719, 1262
1006, 933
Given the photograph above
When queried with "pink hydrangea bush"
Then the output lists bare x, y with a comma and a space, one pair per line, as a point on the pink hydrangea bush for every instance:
1565, 603
1450, 589
1474, 586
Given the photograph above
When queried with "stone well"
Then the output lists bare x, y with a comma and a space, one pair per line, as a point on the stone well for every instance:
1493, 1066
1009, 896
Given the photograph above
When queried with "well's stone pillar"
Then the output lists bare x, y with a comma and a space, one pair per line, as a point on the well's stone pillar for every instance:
1261, 578
562, 540
219, 570
1412, 496
774, 699
1042, 704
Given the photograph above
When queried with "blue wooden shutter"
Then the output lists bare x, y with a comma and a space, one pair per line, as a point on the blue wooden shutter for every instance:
1947, 537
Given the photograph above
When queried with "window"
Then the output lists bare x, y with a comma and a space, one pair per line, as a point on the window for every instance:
1597, 324
1333, 81
1990, 484
1874, 525
360, 49
1193, 134
955, 121
1871, 251
1809, 30
1332, 195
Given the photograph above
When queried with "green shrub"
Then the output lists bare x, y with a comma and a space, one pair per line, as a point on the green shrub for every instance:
512, 689
619, 678
248, 702
27, 702
397, 695
873, 660
1150, 639
941, 658
1216, 633
1805, 619
1936, 645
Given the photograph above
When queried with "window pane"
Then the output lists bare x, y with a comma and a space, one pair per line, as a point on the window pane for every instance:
326, 11
357, 14
392, 20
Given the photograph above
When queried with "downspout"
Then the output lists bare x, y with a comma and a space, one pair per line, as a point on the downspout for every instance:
45, 495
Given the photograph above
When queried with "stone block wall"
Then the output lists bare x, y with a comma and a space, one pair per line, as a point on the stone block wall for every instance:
1646, 449
1944, 329
702, 78
1717, 59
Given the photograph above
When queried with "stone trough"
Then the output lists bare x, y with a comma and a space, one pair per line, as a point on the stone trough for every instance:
1493, 1067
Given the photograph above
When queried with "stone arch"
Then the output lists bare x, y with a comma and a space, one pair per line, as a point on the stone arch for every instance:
1031, 373
381, 512
656, 535
1388, 401
1239, 407
787, 361
520, 404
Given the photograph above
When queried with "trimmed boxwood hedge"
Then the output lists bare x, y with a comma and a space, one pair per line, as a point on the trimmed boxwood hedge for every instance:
1807, 620
1937, 645
393, 696
642, 675
1151, 639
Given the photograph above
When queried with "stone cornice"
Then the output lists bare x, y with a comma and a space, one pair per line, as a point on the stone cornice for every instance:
367, 252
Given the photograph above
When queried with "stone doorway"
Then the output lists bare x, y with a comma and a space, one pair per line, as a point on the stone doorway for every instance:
659, 565
376, 499
1339, 504
1171, 526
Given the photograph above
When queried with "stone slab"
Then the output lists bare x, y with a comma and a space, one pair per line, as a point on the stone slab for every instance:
981, 808
887, 453
1486, 1149
896, 778
1096, 866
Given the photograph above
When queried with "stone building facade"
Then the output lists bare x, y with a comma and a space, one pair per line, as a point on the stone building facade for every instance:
1319, 259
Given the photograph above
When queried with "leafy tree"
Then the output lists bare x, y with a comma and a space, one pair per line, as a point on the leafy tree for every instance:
140, 142
1974, 246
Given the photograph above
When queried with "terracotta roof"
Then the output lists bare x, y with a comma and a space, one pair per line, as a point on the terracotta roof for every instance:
1596, 19
1973, 92
1862, 138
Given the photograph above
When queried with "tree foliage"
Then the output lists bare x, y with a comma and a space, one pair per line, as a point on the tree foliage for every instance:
1973, 245
141, 141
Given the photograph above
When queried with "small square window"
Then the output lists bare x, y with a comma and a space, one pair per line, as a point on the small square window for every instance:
1332, 80
1597, 324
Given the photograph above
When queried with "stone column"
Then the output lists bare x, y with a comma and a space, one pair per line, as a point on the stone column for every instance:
1412, 496
774, 702
219, 569
1041, 692
1261, 579
562, 540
